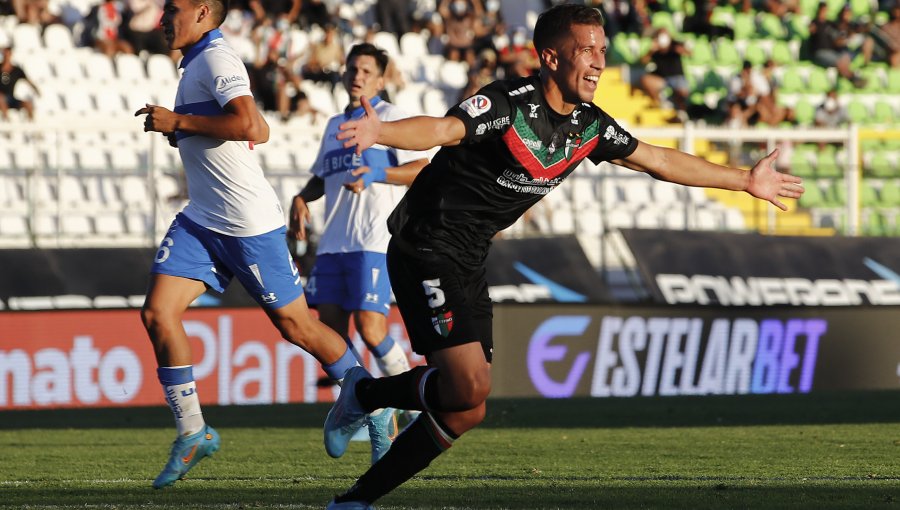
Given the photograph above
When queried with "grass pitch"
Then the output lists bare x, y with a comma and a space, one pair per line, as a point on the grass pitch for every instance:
813, 451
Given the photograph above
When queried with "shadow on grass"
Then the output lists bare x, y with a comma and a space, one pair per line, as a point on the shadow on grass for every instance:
470, 494
824, 408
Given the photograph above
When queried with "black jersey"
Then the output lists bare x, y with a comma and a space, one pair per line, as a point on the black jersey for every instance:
515, 151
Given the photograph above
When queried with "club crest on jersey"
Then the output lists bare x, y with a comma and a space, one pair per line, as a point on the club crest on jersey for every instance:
573, 141
476, 105
443, 322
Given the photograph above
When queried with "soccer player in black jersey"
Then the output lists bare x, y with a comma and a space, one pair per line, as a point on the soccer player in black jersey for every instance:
502, 150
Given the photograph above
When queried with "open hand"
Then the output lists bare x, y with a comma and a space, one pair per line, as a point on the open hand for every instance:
768, 184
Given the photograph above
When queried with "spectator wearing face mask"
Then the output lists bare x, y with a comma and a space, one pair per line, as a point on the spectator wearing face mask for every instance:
830, 113
462, 23
664, 69
519, 58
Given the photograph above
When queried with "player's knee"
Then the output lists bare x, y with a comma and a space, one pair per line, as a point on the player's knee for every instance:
156, 322
472, 392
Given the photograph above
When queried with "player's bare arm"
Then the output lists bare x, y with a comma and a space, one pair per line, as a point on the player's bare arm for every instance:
762, 181
300, 216
402, 175
412, 133
242, 121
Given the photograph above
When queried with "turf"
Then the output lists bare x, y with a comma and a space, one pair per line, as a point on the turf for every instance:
814, 451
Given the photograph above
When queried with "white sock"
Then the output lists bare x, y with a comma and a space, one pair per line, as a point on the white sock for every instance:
394, 361
185, 405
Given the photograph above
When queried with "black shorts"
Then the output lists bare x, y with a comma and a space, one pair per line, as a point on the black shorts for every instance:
442, 304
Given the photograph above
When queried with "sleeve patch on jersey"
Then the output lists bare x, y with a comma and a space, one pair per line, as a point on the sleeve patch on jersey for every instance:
476, 105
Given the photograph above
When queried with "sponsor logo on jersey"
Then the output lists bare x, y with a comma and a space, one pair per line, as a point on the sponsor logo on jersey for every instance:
521, 90
223, 82
371, 297
476, 105
269, 298
534, 109
617, 138
494, 124
575, 117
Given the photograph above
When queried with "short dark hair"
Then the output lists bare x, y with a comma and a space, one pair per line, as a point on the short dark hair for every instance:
218, 8
556, 21
369, 49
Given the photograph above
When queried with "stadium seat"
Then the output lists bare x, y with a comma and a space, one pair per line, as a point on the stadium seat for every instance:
161, 69
413, 46
804, 112
409, 99
69, 71
829, 164
75, 225
813, 196
26, 39
802, 162
124, 157
664, 19
792, 80
744, 26
12, 226
701, 52
562, 221
584, 192
648, 216
434, 102
883, 112
388, 42
454, 74
771, 26
818, 81
836, 193
890, 193
893, 80
858, 112
781, 52
756, 53
133, 191
130, 69
726, 53
58, 38
109, 223
868, 194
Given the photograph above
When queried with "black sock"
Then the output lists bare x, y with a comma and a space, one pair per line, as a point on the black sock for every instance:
413, 450
415, 390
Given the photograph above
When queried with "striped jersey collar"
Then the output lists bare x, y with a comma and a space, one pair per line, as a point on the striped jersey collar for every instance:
199, 46
358, 111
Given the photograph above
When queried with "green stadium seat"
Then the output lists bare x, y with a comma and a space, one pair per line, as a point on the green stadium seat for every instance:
801, 162
817, 81
827, 164
890, 193
809, 7
798, 26
621, 52
701, 52
861, 8
781, 52
804, 112
727, 53
813, 196
772, 26
874, 224
744, 26
836, 195
883, 112
868, 195
722, 16
879, 164
893, 80
755, 53
664, 19
792, 81
858, 112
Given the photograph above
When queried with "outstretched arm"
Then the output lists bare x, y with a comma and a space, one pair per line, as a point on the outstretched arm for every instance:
762, 181
412, 133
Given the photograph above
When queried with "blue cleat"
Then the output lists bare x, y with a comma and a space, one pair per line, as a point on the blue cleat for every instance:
187, 451
382, 431
349, 505
346, 415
